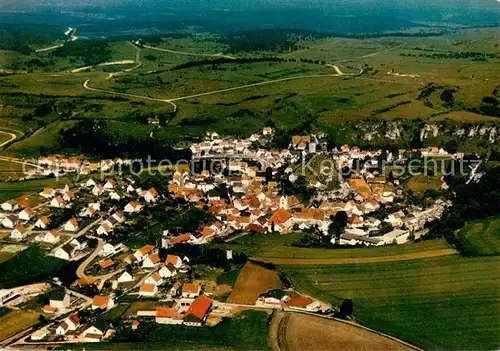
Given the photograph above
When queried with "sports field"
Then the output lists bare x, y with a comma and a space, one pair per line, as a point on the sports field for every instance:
481, 238
437, 303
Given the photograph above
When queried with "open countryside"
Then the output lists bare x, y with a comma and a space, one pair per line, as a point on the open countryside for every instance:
227, 175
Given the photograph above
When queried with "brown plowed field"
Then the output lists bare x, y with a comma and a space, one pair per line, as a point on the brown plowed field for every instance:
252, 281
297, 332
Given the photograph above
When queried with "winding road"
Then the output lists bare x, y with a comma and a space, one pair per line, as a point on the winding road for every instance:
12, 137
171, 101
86, 86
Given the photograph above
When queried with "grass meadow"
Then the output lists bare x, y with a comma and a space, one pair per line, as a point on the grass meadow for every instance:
440, 303
482, 237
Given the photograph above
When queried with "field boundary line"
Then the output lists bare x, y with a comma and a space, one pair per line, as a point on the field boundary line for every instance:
355, 260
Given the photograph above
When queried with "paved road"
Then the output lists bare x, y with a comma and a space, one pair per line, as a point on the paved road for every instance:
12, 137
79, 234
49, 48
20, 161
80, 272
88, 87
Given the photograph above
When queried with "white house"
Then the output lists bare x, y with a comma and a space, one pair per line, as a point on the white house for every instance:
125, 277
132, 207
42, 223
11, 205
151, 261
97, 190
190, 290
114, 196
19, 233
118, 216
51, 237
150, 195
142, 253
103, 302
176, 261
71, 225
166, 315
148, 290
90, 183
93, 334
73, 321
65, 252
60, 301
108, 250
109, 185
168, 271
10, 221
48, 193
104, 229
155, 279
57, 202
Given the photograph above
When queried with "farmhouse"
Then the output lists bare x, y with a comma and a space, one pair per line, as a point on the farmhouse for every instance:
59, 299
166, 315
174, 260
197, 313
190, 290
103, 302
148, 290
141, 253
48, 193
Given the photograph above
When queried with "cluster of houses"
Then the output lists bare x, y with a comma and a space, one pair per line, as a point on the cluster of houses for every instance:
255, 203
59, 165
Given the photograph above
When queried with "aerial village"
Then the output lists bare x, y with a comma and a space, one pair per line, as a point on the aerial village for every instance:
102, 226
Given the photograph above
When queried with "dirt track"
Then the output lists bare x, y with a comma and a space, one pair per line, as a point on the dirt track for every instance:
295, 331
356, 260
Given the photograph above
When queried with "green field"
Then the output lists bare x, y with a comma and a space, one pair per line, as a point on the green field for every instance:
279, 246
481, 238
16, 321
443, 303
16, 189
46, 138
